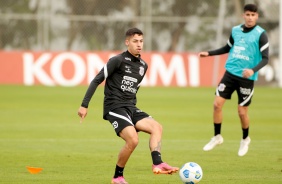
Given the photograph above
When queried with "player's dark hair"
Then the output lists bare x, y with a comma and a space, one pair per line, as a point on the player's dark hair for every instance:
251, 8
132, 32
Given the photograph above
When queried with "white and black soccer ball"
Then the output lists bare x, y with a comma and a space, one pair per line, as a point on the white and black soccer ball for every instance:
191, 173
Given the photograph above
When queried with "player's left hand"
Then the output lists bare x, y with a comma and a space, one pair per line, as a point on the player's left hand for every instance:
247, 73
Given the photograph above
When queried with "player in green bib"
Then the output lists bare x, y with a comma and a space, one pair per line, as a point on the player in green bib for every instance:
247, 49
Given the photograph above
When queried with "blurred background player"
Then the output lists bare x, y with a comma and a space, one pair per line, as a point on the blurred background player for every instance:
248, 53
123, 74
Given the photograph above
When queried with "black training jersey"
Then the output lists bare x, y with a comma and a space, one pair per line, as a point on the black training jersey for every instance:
123, 74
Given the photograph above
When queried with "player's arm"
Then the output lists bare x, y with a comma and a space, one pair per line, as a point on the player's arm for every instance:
107, 70
99, 78
82, 111
264, 49
223, 50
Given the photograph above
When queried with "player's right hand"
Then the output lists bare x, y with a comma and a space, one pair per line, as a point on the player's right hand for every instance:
203, 54
82, 112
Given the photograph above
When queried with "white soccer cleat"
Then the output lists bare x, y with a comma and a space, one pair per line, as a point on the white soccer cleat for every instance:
244, 146
216, 140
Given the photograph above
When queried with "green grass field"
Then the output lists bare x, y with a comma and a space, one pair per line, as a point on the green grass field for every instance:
39, 127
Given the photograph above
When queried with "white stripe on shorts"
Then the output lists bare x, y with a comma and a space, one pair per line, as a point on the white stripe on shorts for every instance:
217, 92
247, 99
121, 117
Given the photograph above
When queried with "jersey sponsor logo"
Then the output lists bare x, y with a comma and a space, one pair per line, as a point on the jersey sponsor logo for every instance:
127, 84
238, 48
141, 70
237, 52
245, 91
221, 87
239, 56
129, 78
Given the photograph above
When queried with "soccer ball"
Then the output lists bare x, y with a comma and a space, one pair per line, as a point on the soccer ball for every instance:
191, 173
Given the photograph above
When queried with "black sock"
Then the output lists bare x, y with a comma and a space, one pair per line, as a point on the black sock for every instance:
156, 157
245, 132
217, 128
119, 171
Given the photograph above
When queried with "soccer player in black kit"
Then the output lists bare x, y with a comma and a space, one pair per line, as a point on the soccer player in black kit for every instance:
123, 74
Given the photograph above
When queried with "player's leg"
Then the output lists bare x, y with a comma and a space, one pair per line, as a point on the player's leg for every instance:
217, 139
246, 140
244, 118
223, 92
125, 129
217, 112
130, 136
245, 93
152, 127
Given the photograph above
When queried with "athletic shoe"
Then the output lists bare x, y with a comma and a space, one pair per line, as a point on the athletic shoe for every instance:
244, 146
216, 140
164, 168
119, 180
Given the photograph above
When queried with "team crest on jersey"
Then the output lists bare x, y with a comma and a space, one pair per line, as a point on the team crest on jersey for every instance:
221, 87
141, 70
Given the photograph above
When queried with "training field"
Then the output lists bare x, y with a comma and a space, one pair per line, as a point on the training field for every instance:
40, 127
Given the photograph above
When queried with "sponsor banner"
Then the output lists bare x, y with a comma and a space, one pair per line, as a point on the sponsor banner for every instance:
79, 68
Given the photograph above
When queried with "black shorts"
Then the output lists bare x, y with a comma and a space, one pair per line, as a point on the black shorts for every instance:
244, 88
125, 116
